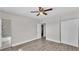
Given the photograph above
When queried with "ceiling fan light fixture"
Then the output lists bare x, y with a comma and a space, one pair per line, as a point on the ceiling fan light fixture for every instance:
41, 13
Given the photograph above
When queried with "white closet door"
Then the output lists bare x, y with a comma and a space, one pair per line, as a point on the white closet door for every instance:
69, 32
0, 34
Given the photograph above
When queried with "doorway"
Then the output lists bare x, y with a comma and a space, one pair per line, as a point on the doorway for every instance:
43, 30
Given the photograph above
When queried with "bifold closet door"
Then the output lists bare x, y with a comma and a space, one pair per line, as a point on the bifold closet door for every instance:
69, 32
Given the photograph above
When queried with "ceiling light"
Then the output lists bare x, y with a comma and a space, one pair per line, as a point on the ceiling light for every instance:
41, 13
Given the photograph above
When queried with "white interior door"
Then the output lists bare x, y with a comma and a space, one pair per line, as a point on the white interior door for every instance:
38, 31
69, 32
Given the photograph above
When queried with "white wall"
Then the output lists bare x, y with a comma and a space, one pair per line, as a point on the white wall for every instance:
23, 28
0, 33
52, 32
70, 16
52, 29
38, 30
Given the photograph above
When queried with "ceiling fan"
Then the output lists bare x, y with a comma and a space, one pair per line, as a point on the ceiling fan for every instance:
42, 11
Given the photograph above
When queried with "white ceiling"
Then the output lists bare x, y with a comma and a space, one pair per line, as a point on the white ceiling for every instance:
25, 11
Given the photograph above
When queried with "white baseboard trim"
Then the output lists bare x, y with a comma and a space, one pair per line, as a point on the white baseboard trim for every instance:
23, 42
70, 44
53, 40
61, 42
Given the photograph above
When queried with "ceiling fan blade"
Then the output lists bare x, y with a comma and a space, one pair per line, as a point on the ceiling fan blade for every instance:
34, 11
40, 8
45, 13
38, 14
48, 9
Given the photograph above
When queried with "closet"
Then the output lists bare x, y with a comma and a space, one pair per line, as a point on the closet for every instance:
70, 32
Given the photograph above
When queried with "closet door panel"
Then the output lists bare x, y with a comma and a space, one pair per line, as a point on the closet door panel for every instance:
69, 32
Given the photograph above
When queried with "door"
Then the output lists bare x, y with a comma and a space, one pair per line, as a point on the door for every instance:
69, 32
41, 30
